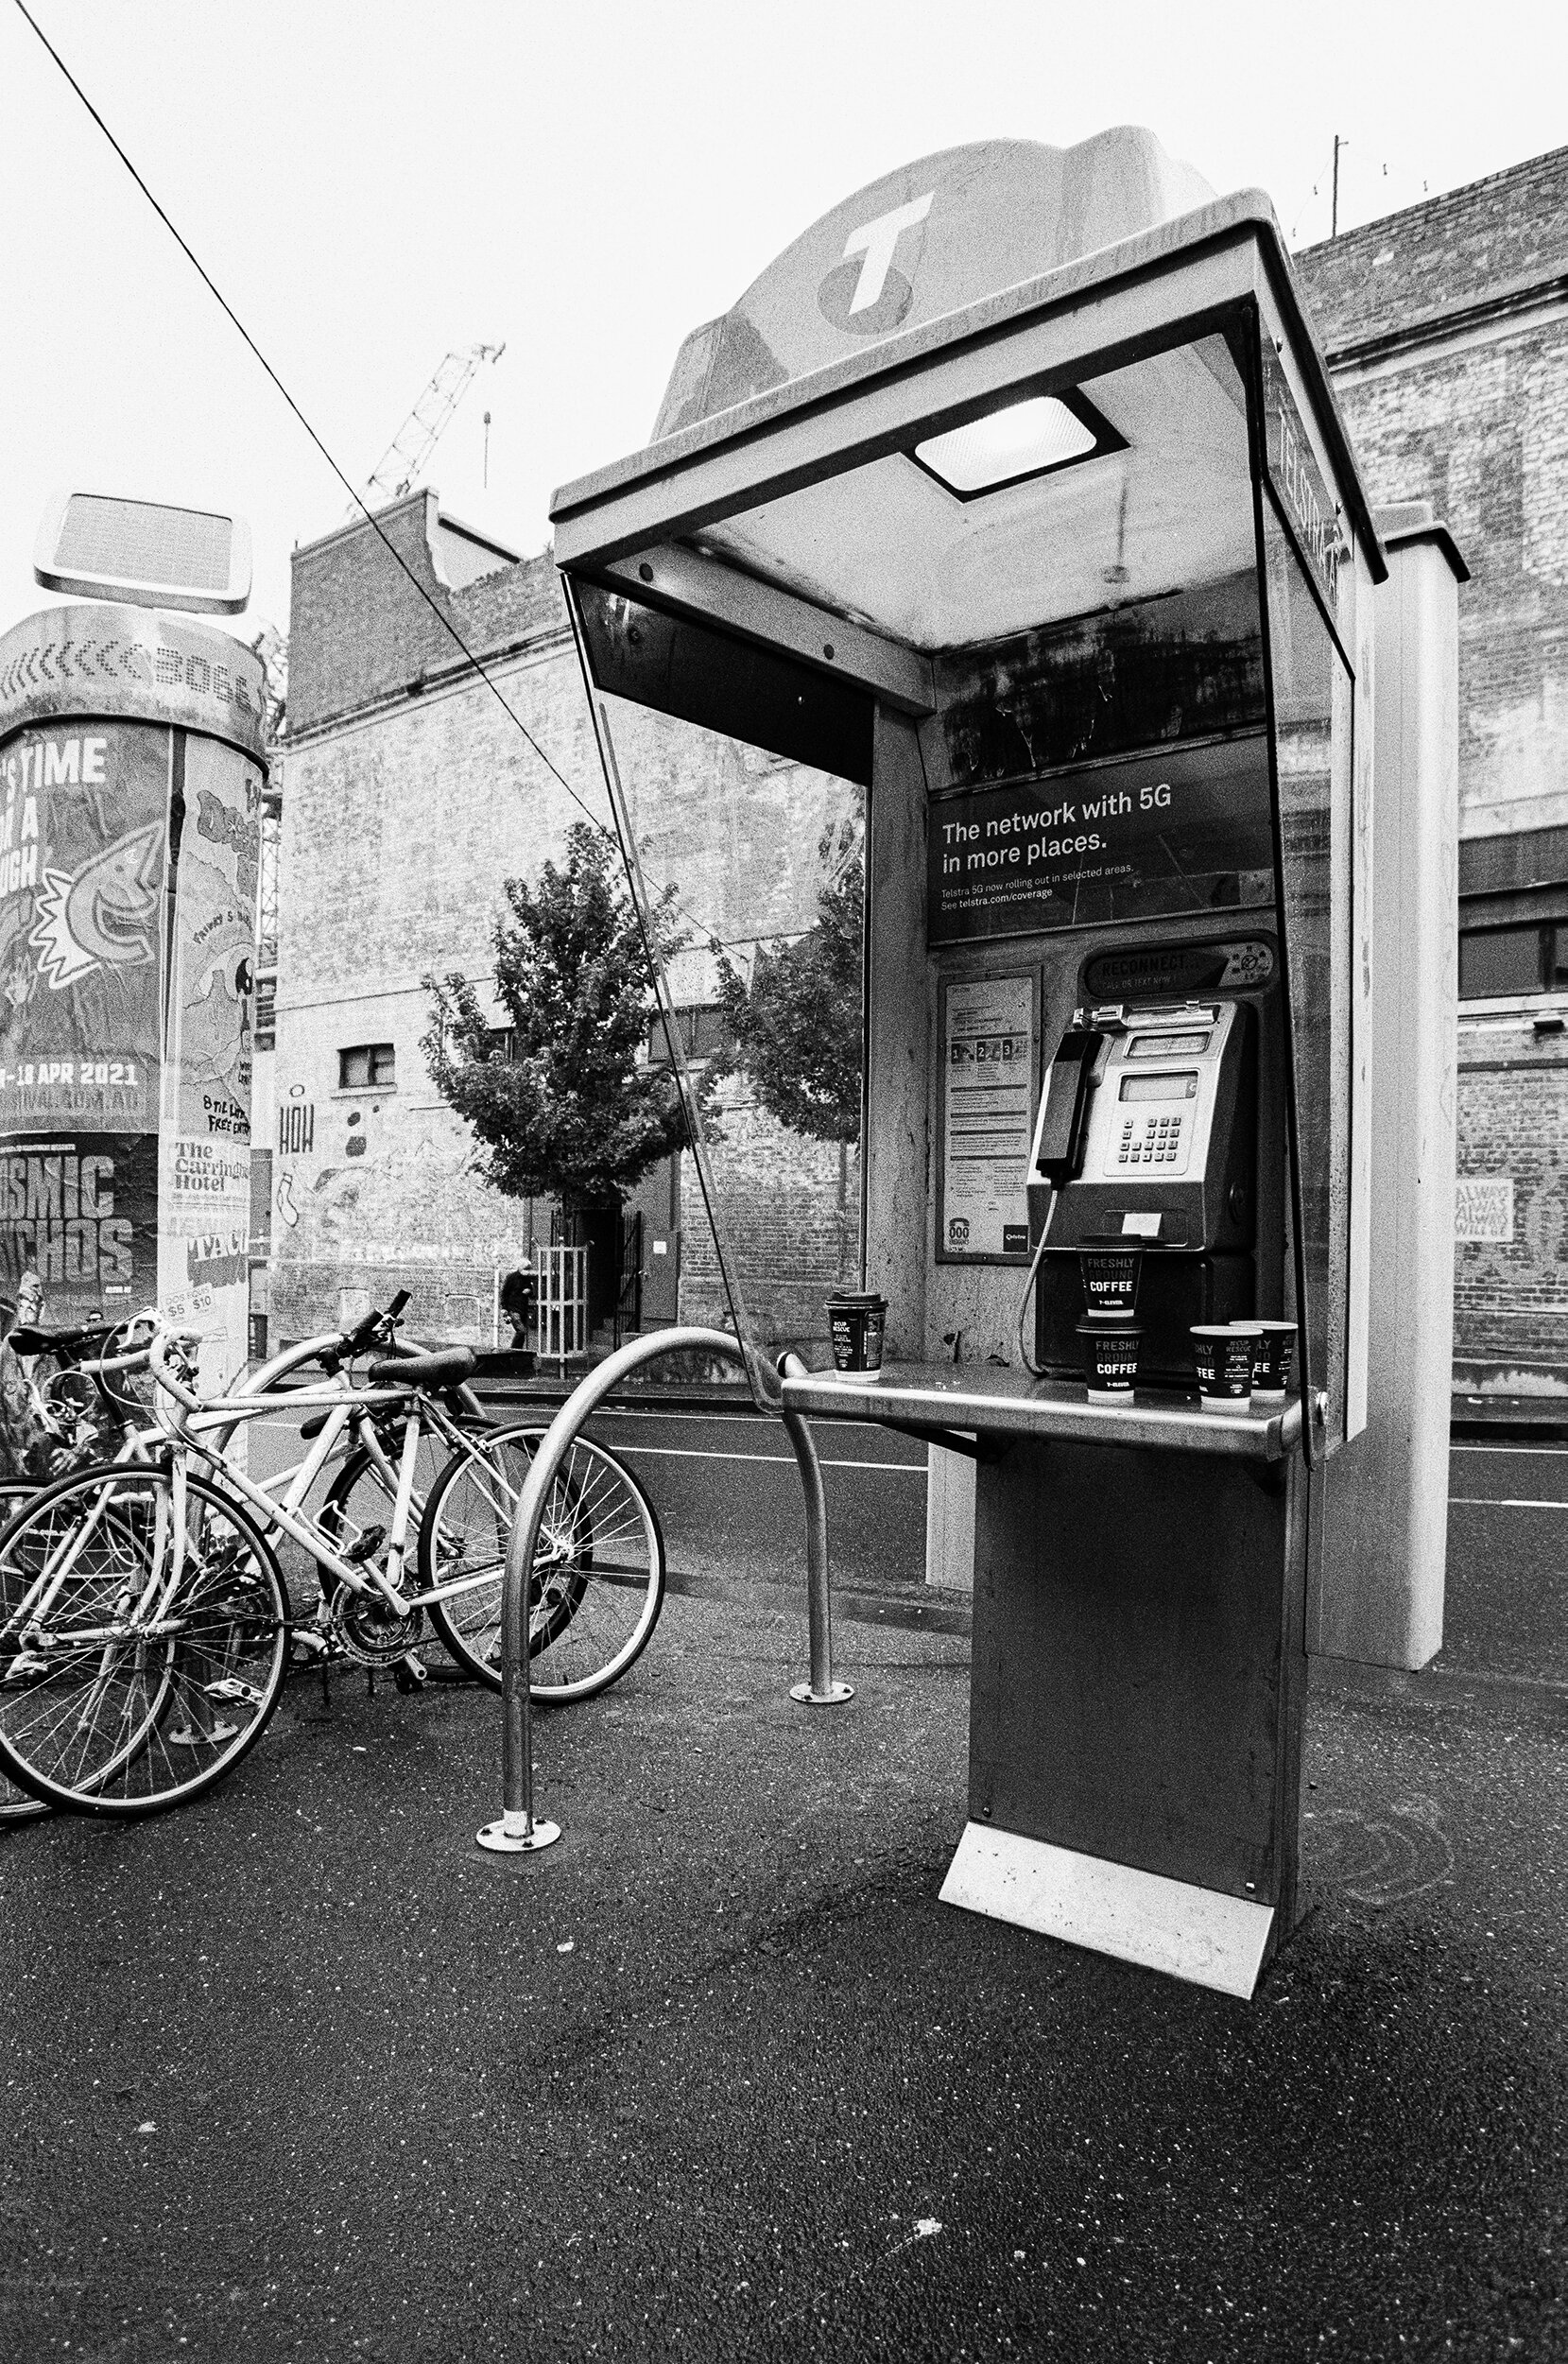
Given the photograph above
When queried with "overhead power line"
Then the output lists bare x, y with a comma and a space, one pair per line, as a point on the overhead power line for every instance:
357, 504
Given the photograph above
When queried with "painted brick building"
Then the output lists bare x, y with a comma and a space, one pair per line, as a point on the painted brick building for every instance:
411, 794
1446, 328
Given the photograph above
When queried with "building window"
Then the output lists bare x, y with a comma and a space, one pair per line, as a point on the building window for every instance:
703, 1030
368, 1067
503, 1045
1498, 963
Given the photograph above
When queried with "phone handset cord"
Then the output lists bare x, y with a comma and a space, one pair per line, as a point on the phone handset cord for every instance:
1028, 1285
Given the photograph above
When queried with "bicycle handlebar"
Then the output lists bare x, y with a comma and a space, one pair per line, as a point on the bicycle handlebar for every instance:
366, 1333
157, 1355
134, 1361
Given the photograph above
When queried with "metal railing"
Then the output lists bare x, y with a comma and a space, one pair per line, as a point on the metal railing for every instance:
516, 1832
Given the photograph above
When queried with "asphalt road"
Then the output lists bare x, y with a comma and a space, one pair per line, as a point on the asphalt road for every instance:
301, 2071
1505, 1606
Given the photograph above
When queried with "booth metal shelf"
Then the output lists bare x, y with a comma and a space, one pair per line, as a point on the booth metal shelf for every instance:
986, 1400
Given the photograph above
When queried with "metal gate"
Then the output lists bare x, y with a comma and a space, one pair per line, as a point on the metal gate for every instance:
563, 1301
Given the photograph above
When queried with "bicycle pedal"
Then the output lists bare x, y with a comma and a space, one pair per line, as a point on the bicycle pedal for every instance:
410, 1675
230, 1687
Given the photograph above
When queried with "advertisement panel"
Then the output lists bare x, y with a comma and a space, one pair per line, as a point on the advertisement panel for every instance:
1186, 829
82, 810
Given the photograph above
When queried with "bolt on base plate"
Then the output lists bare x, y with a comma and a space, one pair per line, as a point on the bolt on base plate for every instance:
834, 1695
515, 1834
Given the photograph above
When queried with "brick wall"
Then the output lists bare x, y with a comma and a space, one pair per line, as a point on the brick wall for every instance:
1447, 332
1512, 1296
1460, 251
793, 1225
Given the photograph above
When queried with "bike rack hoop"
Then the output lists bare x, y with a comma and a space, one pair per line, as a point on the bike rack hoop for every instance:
517, 1831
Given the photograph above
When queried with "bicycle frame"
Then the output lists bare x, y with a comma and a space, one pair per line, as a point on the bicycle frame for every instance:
350, 1421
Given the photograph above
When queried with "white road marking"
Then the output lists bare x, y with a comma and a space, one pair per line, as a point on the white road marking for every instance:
1480, 1447
785, 1460
1505, 1502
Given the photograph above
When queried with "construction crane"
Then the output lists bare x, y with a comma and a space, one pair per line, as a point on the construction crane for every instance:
419, 432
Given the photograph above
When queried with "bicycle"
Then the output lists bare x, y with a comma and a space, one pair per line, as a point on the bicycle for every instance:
145, 1623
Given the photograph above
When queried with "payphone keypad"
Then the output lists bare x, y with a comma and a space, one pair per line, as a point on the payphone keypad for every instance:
1155, 1120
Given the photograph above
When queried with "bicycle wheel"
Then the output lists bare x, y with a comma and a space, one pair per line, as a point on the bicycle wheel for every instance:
113, 1700
15, 1804
599, 1577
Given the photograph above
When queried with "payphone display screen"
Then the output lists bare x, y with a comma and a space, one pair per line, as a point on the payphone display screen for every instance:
1181, 1087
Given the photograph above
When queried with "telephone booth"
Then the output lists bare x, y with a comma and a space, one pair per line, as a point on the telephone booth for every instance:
1007, 535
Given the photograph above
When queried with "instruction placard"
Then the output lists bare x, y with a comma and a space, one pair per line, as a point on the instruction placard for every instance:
987, 1119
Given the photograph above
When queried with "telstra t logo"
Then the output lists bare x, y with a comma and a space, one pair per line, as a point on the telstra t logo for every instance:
870, 296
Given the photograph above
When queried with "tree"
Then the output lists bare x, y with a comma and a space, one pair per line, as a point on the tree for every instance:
798, 1024
557, 1097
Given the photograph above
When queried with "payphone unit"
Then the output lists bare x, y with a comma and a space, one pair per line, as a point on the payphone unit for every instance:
1148, 1131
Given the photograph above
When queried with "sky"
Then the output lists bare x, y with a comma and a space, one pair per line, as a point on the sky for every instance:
374, 183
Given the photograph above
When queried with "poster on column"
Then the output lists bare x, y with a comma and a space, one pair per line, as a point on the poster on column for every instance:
81, 1212
82, 810
204, 1130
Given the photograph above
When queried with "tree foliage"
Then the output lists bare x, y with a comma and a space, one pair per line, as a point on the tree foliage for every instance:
564, 1109
798, 1024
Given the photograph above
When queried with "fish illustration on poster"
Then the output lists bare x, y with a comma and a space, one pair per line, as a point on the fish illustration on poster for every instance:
81, 889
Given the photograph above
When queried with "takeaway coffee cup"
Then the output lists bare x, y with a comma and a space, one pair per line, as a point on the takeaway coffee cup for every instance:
1109, 1277
1224, 1359
1111, 1345
855, 1319
1273, 1354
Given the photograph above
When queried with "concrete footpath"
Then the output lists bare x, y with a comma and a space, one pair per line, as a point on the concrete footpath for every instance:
301, 2071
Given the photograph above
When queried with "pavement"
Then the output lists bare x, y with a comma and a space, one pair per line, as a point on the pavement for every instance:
300, 2070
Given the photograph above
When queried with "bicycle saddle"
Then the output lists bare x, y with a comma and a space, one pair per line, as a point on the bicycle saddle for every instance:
96, 1336
448, 1367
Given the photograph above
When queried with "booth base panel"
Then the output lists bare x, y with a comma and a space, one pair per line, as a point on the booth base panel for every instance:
1191, 1933
1138, 1674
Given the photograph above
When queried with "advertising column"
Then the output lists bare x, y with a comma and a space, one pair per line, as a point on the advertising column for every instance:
130, 779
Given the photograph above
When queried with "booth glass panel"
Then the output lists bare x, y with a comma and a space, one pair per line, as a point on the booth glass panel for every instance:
1313, 699
750, 866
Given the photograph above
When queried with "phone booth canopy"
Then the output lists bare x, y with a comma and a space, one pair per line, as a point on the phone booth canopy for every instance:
1008, 524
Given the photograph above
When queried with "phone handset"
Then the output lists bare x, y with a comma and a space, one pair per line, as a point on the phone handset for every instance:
1059, 1142
1065, 1118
